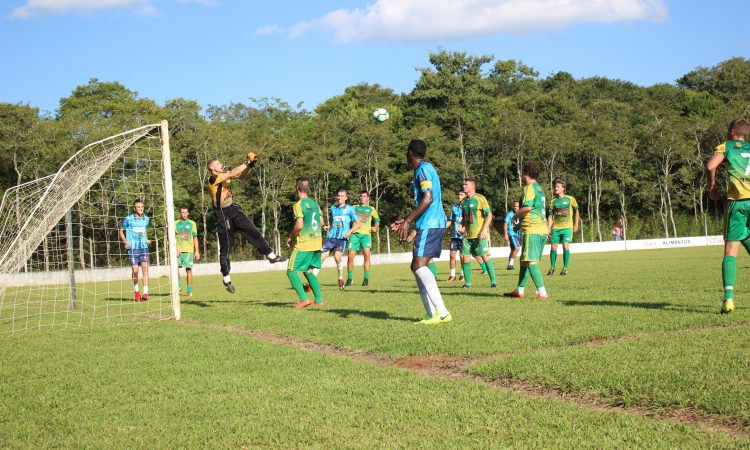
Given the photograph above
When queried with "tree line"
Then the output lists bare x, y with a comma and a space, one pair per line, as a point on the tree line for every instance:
630, 154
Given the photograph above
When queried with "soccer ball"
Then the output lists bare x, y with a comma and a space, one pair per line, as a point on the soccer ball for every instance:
381, 115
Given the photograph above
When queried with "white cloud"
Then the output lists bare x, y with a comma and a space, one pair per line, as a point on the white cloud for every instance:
34, 8
268, 29
424, 20
210, 3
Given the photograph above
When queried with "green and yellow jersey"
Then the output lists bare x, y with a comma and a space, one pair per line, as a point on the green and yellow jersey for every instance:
310, 238
186, 230
563, 209
474, 210
221, 193
737, 156
535, 222
367, 217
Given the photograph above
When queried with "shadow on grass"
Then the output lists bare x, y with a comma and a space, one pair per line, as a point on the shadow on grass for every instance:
197, 303
643, 305
344, 313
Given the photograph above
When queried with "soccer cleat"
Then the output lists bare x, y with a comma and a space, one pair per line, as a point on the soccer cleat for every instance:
727, 306
307, 287
365, 282
341, 283
513, 294
461, 277
137, 296
302, 304
563, 272
551, 271
425, 319
348, 282
541, 297
493, 285
509, 268
189, 294
436, 319
320, 303
466, 286
229, 287
277, 259
144, 297
451, 279
446, 319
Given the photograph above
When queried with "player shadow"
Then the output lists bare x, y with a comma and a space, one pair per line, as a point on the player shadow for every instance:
197, 303
131, 299
344, 313
643, 305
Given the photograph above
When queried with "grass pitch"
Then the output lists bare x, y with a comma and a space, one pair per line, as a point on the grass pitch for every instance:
636, 330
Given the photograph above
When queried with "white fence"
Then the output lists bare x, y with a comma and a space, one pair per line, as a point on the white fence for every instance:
123, 273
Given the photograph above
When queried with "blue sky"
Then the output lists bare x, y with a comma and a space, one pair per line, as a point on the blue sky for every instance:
222, 51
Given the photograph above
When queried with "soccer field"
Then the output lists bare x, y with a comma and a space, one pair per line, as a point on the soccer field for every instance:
629, 352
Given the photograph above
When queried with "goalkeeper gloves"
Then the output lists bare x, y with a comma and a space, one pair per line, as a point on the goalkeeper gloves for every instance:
251, 159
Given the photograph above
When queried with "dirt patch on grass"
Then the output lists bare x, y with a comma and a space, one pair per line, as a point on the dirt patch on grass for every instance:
455, 367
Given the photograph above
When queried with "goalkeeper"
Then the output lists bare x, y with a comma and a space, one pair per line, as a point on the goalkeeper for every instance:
229, 216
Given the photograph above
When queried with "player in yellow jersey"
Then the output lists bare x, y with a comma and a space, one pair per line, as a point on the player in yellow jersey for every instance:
533, 224
562, 220
369, 223
736, 153
187, 247
308, 237
476, 217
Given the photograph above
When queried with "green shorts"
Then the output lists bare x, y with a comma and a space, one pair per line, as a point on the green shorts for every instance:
533, 246
475, 247
737, 226
302, 261
359, 241
562, 236
185, 260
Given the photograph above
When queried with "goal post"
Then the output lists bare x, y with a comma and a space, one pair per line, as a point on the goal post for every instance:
62, 263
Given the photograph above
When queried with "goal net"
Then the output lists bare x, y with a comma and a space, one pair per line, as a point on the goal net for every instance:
62, 261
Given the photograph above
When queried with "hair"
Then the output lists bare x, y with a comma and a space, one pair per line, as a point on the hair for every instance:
364, 192
472, 181
740, 127
560, 181
211, 161
531, 168
342, 190
303, 184
185, 208
417, 147
461, 191
138, 201
516, 201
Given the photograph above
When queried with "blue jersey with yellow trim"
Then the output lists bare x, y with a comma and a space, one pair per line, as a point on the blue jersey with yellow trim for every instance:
426, 179
135, 230
455, 218
341, 220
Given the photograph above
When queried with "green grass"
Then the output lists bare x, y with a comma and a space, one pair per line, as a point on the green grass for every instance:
171, 385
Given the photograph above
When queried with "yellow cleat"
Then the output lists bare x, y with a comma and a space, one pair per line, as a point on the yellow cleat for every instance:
727, 306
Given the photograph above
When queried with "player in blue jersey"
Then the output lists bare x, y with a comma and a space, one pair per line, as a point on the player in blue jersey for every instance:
133, 235
429, 220
342, 217
457, 236
512, 235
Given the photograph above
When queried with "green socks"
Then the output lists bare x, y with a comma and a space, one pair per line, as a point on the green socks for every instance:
523, 276
367, 274
433, 268
483, 266
728, 275
297, 284
315, 285
349, 274
566, 258
491, 271
467, 273
536, 275
552, 258
190, 290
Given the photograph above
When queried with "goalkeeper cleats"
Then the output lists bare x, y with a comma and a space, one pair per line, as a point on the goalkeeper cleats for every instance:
229, 287
137, 296
277, 259
301, 304
727, 306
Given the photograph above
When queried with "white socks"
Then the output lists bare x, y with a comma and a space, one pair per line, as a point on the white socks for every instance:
227, 279
340, 268
425, 276
271, 255
453, 272
135, 288
315, 271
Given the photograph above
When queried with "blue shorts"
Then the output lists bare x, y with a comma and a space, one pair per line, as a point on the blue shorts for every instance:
337, 245
429, 242
456, 244
136, 256
515, 242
